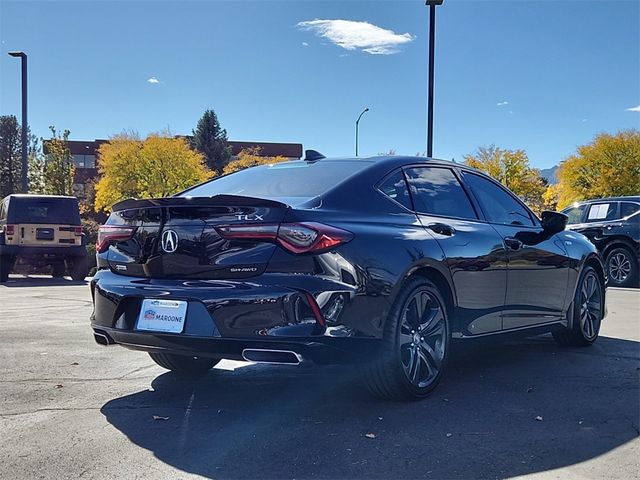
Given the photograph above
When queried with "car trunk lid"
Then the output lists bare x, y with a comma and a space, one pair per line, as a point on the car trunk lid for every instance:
178, 237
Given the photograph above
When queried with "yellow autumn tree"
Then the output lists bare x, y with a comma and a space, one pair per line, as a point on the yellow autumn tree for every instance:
512, 169
155, 167
250, 157
609, 166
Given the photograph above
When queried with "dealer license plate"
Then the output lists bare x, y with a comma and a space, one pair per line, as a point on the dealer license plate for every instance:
162, 315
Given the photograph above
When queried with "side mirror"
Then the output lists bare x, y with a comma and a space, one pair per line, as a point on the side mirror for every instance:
554, 222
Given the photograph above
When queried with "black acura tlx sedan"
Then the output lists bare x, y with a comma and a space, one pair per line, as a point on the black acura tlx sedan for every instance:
382, 261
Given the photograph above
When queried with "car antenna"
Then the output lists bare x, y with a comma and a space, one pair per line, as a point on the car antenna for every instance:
312, 156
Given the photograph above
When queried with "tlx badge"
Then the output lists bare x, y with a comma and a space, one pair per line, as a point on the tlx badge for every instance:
250, 218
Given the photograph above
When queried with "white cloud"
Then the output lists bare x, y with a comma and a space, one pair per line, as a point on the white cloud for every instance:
352, 35
500, 104
584, 120
305, 44
153, 80
633, 109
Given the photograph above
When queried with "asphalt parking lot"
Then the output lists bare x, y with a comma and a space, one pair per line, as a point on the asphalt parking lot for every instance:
72, 409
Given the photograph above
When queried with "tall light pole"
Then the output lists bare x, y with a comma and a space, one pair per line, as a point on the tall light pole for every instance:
432, 51
357, 126
25, 164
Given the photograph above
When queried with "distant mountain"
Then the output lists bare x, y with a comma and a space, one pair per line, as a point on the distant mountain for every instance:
550, 174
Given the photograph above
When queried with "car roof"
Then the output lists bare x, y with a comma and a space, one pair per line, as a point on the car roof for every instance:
32, 195
389, 159
632, 198
381, 163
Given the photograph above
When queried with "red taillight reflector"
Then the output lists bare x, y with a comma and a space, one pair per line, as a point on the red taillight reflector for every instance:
108, 234
10, 229
260, 232
311, 237
306, 237
316, 310
77, 231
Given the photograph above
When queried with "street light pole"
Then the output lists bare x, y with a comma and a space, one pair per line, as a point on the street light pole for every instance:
357, 127
25, 164
432, 51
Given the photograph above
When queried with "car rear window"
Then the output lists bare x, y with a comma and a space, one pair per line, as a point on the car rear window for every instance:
437, 191
395, 187
575, 214
287, 180
628, 209
43, 210
602, 211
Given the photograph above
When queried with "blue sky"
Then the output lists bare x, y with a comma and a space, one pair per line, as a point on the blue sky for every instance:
292, 71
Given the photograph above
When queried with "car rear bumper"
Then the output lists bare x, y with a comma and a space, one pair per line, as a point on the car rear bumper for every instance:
61, 251
225, 317
323, 351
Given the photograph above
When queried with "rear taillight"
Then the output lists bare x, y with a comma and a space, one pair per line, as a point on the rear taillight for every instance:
10, 229
107, 234
77, 231
304, 237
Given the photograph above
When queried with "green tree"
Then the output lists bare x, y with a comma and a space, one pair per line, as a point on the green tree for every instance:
10, 156
512, 169
250, 157
58, 168
608, 166
210, 139
36, 166
156, 167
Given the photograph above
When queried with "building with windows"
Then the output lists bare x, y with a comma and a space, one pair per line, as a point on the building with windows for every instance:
86, 160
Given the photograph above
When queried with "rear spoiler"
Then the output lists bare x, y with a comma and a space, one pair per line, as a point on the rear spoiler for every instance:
217, 200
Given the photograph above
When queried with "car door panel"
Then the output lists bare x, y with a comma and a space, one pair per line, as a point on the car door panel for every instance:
537, 276
477, 260
474, 251
538, 262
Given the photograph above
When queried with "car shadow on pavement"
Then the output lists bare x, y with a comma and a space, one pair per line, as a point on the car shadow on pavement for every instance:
40, 281
502, 411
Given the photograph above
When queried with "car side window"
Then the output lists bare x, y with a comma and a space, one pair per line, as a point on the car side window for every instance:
498, 205
437, 191
575, 214
628, 208
395, 187
599, 212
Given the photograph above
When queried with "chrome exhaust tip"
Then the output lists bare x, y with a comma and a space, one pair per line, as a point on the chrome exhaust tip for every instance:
279, 357
102, 338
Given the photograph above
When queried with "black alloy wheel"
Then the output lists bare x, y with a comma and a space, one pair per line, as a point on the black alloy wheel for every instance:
590, 306
587, 311
415, 346
622, 267
422, 338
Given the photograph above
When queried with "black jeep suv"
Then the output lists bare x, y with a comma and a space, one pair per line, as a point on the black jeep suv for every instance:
613, 226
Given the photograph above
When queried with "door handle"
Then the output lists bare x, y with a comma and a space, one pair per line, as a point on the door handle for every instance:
513, 243
441, 229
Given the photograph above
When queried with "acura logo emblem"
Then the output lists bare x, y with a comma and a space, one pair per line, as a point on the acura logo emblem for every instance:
169, 241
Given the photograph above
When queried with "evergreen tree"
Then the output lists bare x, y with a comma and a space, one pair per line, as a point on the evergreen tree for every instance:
210, 139
36, 166
10, 156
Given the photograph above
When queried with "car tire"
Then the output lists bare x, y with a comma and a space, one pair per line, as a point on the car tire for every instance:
5, 267
587, 311
58, 270
184, 365
622, 267
415, 345
78, 268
